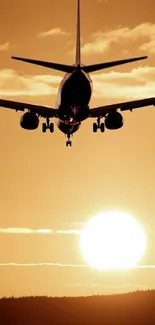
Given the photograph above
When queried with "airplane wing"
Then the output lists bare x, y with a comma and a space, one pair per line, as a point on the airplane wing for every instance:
104, 110
43, 111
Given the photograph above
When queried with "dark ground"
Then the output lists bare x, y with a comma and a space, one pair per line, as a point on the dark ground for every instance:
136, 308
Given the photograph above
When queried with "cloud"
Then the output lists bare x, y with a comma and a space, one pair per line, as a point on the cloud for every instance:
28, 231
48, 79
148, 46
24, 231
140, 74
139, 83
107, 286
43, 264
5, 47
53, 32
14, 84
145, 267
52, 264
69, 232
102, 41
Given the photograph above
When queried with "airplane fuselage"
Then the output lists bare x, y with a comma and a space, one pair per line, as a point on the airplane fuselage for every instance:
73, 99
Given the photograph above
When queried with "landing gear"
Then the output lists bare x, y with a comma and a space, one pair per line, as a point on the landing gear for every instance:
44, 127
51, 127
48, 125
98, 125
68, 142
102, 127
95, 127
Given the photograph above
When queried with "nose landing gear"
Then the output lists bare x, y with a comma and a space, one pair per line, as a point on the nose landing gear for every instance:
68, 142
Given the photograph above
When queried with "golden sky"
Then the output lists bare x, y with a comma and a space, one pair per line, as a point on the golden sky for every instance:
43, 184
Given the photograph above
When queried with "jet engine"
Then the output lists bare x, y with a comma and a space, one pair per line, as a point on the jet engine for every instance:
29, 121
114, 121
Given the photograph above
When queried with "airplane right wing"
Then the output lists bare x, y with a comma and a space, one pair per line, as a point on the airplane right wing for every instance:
43, 111
102, 111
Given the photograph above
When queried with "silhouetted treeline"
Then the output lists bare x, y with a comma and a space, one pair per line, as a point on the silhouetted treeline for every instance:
136, 308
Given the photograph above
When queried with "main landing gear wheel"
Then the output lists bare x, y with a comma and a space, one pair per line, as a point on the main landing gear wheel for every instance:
51, 127
95, 127
68, 142
102, 127
44, 127
48, 125
98, 125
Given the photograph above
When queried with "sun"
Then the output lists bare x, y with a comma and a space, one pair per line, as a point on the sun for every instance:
113, 240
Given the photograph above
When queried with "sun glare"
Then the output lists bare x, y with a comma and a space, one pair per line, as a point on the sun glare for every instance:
113, 240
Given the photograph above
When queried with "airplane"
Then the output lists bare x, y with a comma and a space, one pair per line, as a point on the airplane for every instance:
73, 98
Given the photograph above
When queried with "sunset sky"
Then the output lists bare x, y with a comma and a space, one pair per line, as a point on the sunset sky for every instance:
49, 191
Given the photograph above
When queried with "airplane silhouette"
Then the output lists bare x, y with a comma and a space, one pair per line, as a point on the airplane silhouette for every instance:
73, 98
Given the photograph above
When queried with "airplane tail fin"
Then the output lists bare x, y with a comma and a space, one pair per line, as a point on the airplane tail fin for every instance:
71, 68
78, 37
58, 66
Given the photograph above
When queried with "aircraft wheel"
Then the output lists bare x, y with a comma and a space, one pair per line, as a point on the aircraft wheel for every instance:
102, 127
68, 143
44, 128
95, 127
51, 127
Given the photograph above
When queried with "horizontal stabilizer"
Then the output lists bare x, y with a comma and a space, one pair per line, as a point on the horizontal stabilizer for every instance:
96, 67
51, 65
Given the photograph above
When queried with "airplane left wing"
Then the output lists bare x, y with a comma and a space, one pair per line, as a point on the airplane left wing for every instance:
104, 110
43, 111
